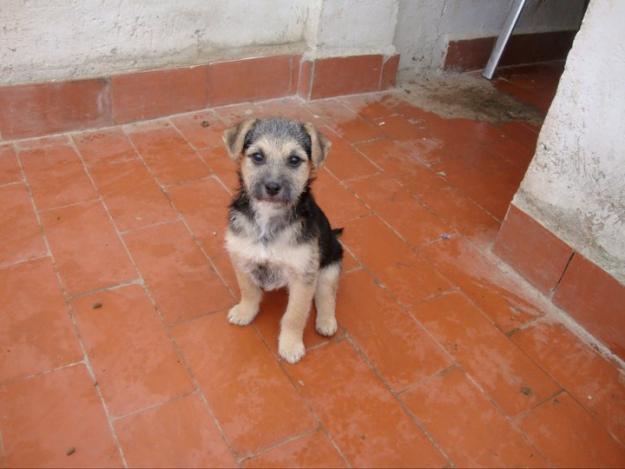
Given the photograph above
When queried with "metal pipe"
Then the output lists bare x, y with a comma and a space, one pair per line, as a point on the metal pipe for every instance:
502, 39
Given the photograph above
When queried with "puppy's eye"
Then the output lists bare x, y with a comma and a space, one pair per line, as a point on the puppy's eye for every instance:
294, 161
257, 158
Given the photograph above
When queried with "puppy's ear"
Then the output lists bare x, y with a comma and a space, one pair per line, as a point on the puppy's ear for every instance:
319, 145
234, 137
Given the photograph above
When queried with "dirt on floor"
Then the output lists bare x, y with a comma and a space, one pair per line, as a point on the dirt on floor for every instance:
462, 95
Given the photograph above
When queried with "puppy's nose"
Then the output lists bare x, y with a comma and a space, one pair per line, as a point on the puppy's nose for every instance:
272, 188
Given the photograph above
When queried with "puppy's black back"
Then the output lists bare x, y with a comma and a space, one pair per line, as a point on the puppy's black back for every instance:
315, 223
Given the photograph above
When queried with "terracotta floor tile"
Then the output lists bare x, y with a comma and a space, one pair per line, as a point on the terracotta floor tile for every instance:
201, 129
223, 167
586, 375
372, 107
168, 155
267, 322
402, 129
247, 391
462, 213
361, 415
20, 234
180, 433
56, 176
131, 194
106, 145
569, 437
478, 275
397, 160
344, 121
176, 272
133, 359
337, 202
34, 411
308, 452
289, 108
35, 329
9, 169
491, 183
454, 208
410, 278
235, 113
204, 206
394, 204
344, 161
87, 251
395, 344
502, 369
467, 425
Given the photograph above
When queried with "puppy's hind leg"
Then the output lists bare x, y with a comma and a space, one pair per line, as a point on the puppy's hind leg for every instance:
247, 309
291, 340
325, 299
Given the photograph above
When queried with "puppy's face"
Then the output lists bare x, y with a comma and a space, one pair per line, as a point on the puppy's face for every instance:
277, 157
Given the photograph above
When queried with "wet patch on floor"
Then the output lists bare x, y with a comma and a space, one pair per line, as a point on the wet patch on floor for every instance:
462, 95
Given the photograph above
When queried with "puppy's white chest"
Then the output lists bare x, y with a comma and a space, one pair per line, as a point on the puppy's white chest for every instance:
272, 264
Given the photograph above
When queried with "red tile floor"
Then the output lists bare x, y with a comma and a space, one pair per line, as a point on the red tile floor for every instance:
114, 286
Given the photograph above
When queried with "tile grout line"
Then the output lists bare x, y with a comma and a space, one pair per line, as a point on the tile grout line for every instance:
71, 314
308, 405
397, 399
180, 216
156, 405
41, 373
166, 329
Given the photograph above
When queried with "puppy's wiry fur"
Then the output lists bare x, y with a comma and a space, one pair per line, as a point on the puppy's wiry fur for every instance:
277, 234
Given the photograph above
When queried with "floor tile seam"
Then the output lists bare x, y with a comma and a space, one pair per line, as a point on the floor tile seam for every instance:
405, 410
77, 332
22, 260
37, 374
164, 325
168, 330
181, 217
309, 406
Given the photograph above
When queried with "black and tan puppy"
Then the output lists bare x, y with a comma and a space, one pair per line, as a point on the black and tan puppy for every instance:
277, 235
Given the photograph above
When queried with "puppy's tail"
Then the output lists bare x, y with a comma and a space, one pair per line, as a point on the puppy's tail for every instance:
337, 232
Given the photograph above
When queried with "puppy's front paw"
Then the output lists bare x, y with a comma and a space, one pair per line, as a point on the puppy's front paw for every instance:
326, 326
291, 349
241, 315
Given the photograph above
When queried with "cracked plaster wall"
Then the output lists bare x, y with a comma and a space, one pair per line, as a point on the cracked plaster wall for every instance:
575, 185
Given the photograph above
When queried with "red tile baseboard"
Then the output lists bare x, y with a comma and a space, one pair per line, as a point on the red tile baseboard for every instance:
40, 109
472, 54
535, 252
596, 300
146, 95
336, 76
46, 108
584, 290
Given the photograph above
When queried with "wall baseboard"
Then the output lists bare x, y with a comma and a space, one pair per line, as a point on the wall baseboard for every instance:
472, 54
584, 290
33, 110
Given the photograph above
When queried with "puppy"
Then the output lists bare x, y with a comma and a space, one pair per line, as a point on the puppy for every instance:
277, 235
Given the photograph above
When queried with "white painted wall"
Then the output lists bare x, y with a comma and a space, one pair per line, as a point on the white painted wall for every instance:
575, 185
426, 26
352, 27
42, 40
